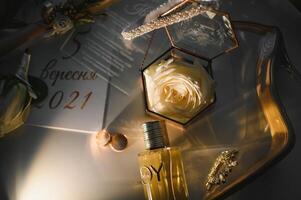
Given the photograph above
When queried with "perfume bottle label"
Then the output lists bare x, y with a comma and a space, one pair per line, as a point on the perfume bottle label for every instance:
149, 172
162, 174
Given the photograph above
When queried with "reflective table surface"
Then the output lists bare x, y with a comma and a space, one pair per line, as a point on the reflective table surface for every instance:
55, 156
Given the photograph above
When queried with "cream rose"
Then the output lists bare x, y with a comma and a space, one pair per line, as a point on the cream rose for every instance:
177, 90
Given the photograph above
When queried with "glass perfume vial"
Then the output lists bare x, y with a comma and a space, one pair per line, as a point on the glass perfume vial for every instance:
161, 167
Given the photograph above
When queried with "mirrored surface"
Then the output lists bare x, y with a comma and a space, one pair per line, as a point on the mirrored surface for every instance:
44, 163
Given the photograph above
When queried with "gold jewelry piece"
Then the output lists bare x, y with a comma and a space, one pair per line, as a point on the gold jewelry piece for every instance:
222, 168
161, 22
103, 138
117, 141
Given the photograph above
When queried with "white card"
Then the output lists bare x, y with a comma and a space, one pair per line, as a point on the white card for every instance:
76, 95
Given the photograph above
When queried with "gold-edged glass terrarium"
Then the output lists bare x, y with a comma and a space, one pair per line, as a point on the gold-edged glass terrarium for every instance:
207, 34
177, 76
178, 86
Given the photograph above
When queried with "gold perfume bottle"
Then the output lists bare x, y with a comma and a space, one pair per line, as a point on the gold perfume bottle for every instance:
161, 167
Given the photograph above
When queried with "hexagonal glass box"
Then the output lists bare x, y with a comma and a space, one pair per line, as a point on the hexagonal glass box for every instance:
208, 34
178, 86
178, 82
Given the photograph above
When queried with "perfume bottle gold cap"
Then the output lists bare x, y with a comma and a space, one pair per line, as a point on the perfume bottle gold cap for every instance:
154, 134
